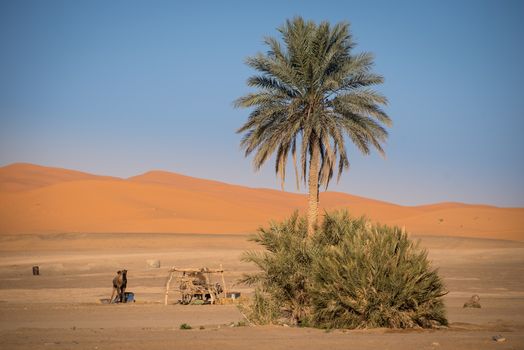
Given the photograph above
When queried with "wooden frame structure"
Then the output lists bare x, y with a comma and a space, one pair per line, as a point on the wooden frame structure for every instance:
194, 283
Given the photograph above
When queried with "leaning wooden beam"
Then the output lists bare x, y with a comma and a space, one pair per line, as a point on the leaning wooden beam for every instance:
167, 286
223, 281
175, 269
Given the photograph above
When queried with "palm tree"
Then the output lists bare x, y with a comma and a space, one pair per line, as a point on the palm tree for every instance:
312, 96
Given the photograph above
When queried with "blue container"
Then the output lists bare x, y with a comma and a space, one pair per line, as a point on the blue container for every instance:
130, 297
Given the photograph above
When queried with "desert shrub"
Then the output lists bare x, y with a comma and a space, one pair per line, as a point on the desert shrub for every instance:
372, 276
185, 326
350, 274
284, 279
261, 308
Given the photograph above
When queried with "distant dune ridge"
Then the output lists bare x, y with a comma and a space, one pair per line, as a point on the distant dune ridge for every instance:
37, 199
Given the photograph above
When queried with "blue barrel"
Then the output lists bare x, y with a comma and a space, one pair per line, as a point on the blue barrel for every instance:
130, 297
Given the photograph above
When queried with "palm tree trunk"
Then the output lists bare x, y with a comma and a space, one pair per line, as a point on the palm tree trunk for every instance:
312, 215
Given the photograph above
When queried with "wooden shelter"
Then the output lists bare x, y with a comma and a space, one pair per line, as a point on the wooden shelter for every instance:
196, 284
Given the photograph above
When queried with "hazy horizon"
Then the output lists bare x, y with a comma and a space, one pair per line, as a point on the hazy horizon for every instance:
120, 88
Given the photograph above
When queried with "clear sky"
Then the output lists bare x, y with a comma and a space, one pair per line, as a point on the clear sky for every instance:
123, 87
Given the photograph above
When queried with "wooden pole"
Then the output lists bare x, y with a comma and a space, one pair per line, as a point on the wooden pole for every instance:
167, 286
206, 270
208, 283
223, 281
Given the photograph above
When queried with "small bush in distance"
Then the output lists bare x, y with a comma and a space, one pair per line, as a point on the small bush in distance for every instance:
185, 326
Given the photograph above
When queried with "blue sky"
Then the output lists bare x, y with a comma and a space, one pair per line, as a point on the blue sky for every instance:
122, 87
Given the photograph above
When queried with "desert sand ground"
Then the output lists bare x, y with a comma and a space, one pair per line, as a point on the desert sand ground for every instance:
60, 309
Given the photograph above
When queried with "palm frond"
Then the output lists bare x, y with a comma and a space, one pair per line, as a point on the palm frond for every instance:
312, 90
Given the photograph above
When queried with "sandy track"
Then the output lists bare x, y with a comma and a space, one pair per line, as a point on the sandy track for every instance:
254, 338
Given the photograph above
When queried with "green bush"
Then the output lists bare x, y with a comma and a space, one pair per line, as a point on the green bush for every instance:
350, 274
264, 308
185, 326
284, 280
372, 276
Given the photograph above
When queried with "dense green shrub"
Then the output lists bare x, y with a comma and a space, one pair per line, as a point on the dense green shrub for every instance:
262, 309
284, 280
372, 276
351, 274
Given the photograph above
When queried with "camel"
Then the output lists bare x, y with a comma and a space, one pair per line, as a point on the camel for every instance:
119, 287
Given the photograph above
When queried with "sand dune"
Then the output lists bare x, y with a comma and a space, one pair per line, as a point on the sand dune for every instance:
35, 199
23, 176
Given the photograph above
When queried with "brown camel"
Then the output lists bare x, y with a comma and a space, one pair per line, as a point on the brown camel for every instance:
119, 287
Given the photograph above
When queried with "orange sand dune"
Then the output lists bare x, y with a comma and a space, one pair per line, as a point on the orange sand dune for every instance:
24, 176
35, 199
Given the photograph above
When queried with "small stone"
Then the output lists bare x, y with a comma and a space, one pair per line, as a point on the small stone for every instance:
473, 302
153, 263
435, 344
498, 338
